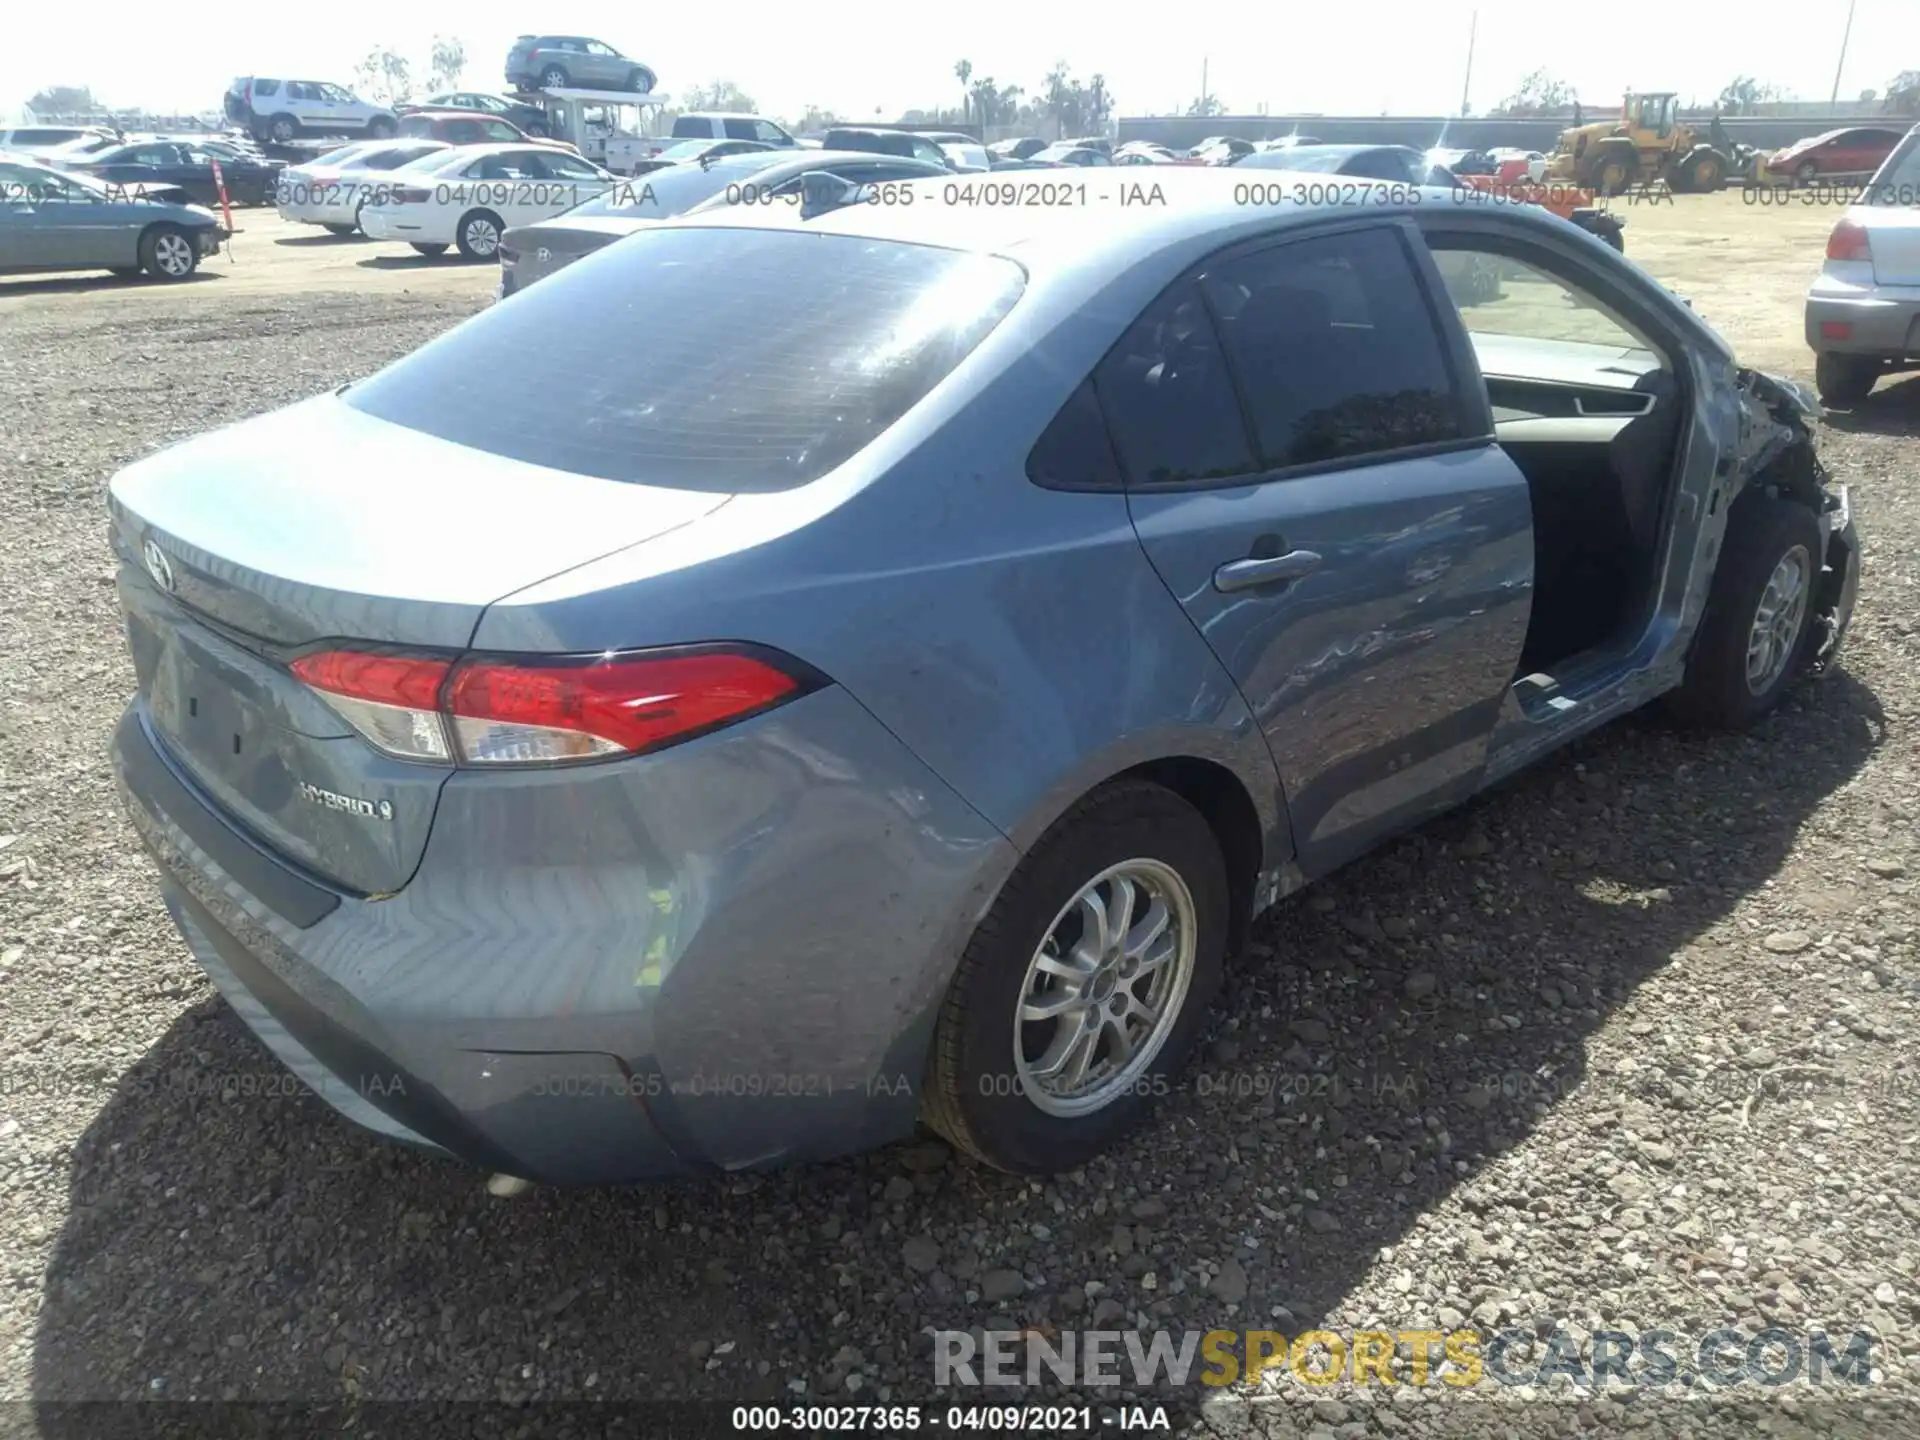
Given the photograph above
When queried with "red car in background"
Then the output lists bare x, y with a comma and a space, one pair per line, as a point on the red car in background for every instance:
1859, 151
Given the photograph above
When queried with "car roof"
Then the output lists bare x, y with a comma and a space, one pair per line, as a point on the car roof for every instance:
470, 153
720, 115
1199, 205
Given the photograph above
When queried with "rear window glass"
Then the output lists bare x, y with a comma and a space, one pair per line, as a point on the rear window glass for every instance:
704, 359
1898, 180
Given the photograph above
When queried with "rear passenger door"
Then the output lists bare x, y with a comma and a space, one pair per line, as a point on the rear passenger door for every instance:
1310, 467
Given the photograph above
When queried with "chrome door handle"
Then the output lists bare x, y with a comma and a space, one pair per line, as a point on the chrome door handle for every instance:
1266, 570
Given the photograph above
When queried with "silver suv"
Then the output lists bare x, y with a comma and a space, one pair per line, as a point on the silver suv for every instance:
284, 110
557, 62
1863, 312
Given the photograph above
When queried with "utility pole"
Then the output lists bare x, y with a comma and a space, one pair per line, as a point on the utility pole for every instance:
1203, 82
1466, 86
1845, 36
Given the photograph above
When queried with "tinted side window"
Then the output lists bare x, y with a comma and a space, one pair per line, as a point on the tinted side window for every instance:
1168, 399
266, 87
1075, 452
1335, 348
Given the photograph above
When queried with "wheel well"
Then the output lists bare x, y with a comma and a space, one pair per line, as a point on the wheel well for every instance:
1216, 792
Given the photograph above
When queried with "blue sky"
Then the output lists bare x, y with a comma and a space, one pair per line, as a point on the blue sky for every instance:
1361, 56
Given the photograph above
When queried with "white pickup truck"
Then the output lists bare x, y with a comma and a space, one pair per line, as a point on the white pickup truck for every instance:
612, 128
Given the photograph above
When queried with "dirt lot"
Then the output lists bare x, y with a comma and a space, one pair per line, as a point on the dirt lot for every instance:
1630, 1043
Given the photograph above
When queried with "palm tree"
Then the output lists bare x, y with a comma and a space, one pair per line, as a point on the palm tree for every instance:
964, 71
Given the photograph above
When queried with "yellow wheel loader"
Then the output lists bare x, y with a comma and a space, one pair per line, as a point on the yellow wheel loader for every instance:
1648, 142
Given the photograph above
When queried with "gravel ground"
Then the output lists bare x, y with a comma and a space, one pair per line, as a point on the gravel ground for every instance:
1629, 1043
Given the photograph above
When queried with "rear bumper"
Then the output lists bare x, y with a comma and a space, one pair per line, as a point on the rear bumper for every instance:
723, 957
1880, 320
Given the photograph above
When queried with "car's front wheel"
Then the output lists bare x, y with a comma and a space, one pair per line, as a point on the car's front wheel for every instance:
1758, 632
282, 128
1082, 992
341, 230
168, 253
1844, 379
553, 78
1808, 172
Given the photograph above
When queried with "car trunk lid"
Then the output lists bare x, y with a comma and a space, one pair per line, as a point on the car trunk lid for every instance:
243, 548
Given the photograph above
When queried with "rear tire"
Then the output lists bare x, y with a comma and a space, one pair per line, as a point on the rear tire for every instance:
168, 253
553, 78
1702, 174
430, 251
1758, 632
982, 1090
1844, 379
282, 129
342, 230
478, 235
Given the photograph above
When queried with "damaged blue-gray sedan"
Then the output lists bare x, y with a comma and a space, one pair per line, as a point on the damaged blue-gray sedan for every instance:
782, 679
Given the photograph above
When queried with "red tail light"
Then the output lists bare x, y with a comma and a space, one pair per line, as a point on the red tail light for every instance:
502, 711
1849, 242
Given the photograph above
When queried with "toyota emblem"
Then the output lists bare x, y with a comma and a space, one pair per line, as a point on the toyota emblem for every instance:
158, 566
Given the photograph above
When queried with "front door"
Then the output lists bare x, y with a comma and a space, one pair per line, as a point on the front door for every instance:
1311, 470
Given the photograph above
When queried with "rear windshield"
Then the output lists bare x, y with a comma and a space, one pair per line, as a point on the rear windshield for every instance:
704, 359
1898, 180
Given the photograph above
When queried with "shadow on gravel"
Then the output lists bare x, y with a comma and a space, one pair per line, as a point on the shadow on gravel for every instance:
88, 284
416, 262
1391, 1032
324, 240
1892, 409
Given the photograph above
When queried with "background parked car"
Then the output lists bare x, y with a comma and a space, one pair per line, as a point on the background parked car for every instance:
1023, 148
693, 152
966, 156
715, 125
745, 181
883, 141
45, 140
1222, 149
284, 110
1860, 150
470, 196
330, 191
189, 167
557, 62
55, 220
1065, 153
461, 127
530, 119
1863, 310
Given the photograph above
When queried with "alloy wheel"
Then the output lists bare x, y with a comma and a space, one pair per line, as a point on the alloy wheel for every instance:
1105, 988
1778, 621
